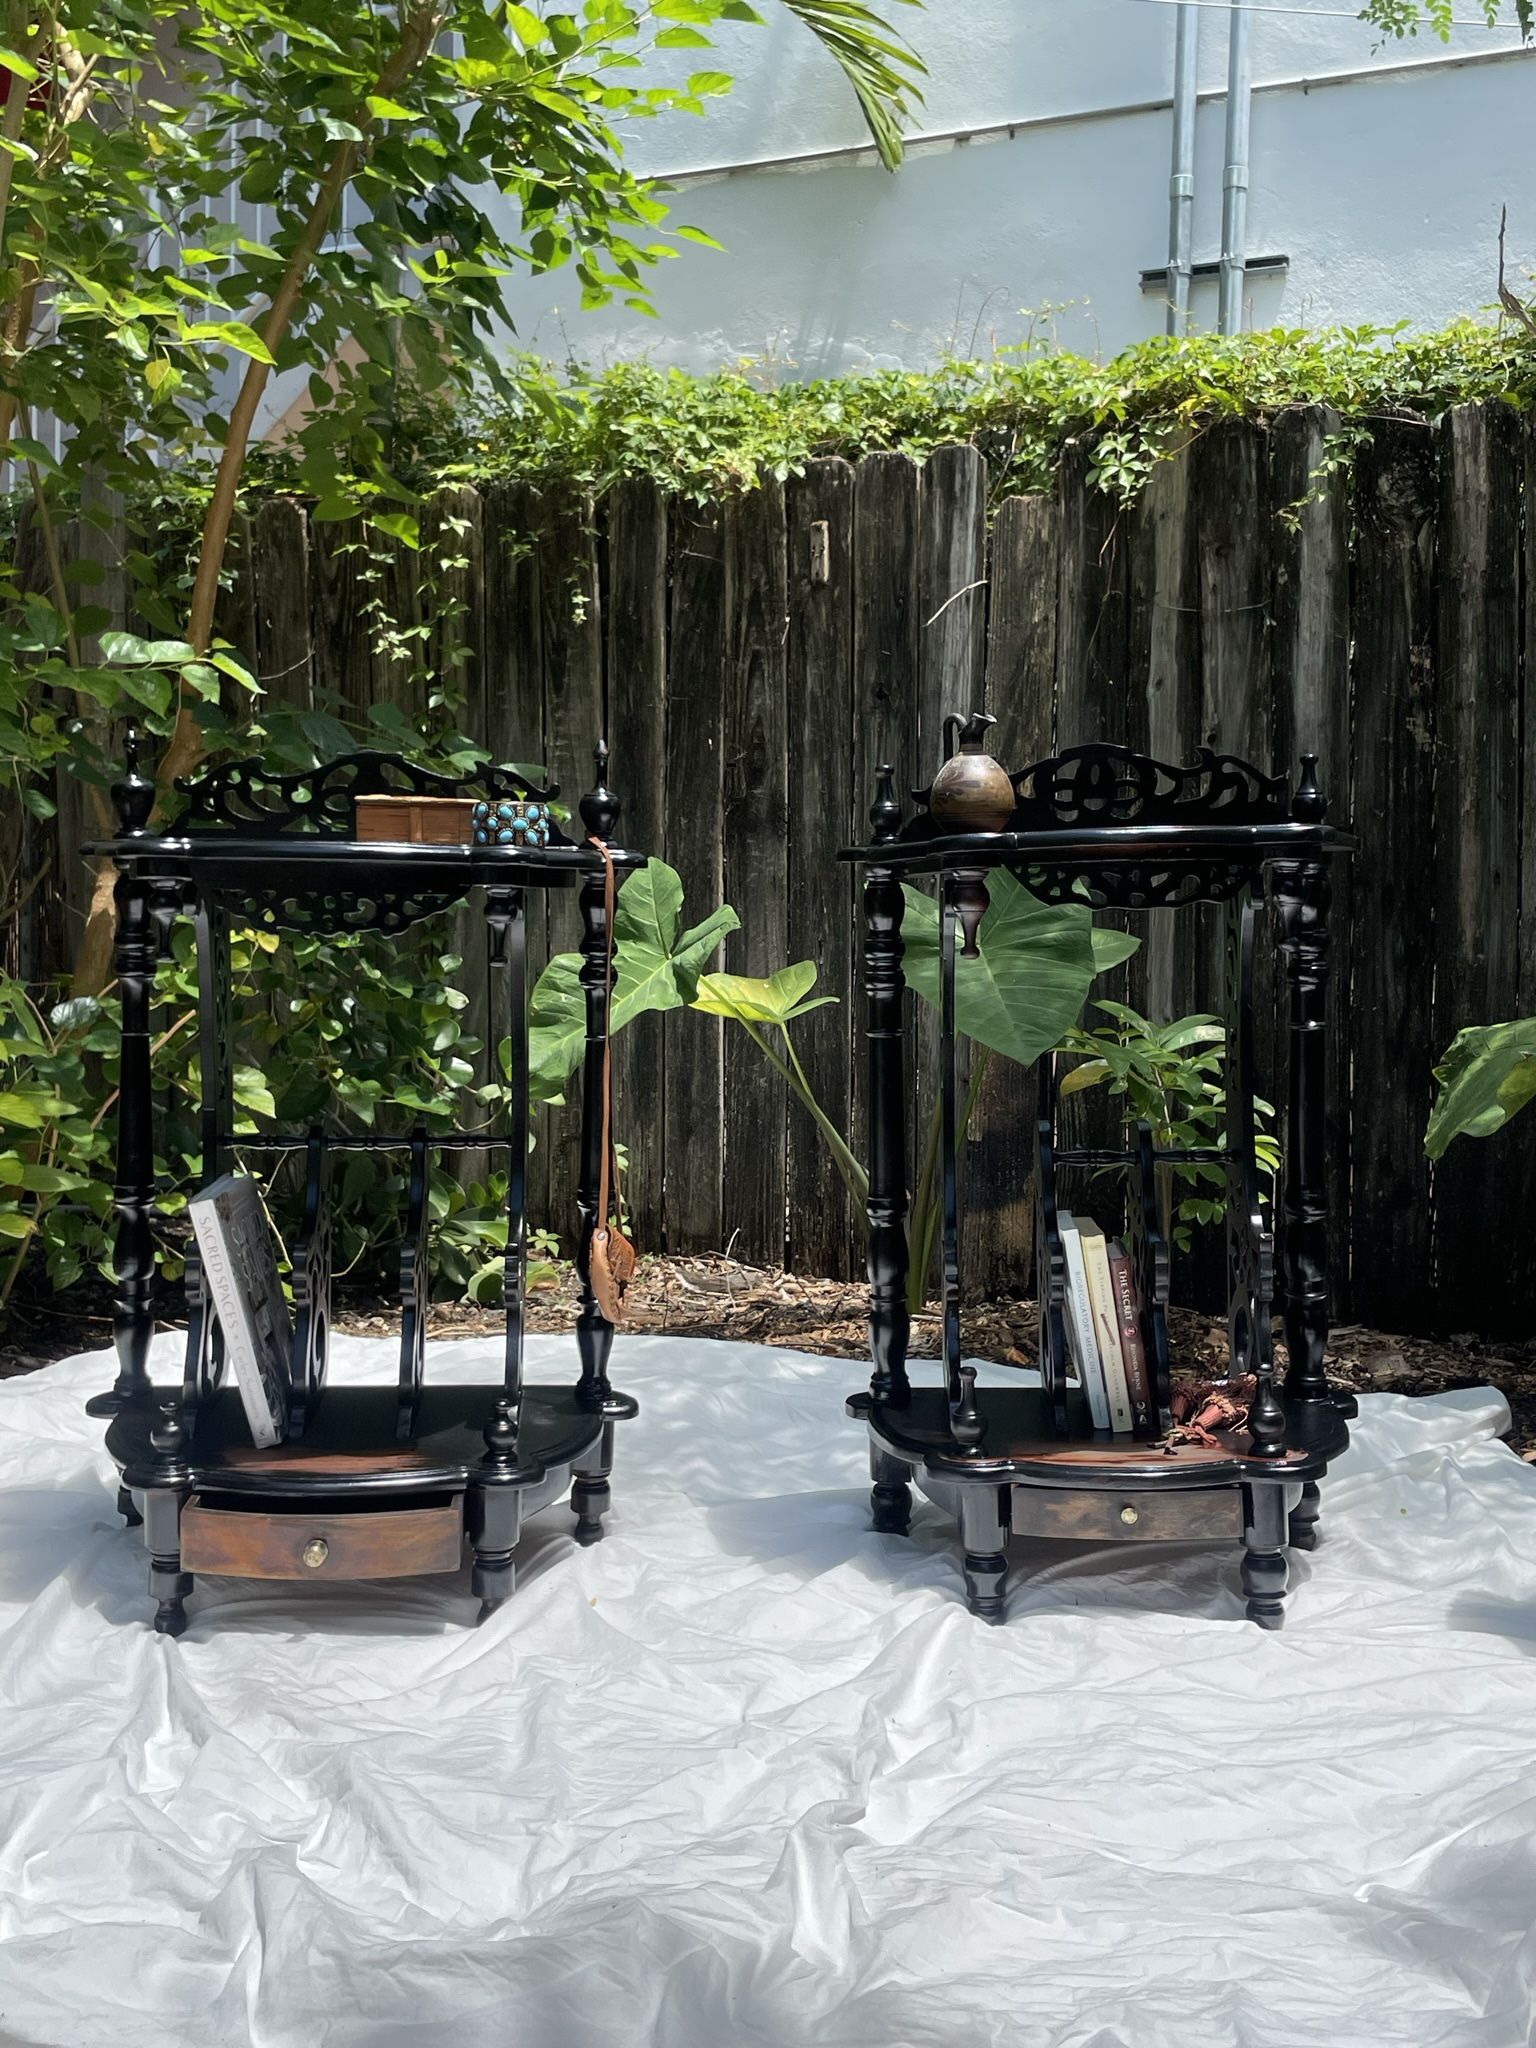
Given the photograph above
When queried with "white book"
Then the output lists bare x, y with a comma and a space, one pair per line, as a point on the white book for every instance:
1081, 1341
235, 1241
1106, 1322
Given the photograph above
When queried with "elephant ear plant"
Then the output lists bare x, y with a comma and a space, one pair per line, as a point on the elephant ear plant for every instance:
1487, 1075
1019, 996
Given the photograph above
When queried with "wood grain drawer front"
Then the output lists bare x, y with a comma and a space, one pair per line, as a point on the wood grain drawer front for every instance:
1166, 1516
388, 1543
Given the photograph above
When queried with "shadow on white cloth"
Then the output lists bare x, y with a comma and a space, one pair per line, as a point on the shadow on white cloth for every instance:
749, 1773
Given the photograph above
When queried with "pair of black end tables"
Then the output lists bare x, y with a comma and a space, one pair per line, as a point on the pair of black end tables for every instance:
390, 1481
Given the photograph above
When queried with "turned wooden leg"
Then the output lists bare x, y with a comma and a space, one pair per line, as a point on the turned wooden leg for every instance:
169, 1584
1305, 1533
127, 1509
495, 1523
590, 1492
890, 1498
1264, 1567
984, 1531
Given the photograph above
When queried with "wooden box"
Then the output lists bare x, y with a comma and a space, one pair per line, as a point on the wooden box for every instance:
417, 820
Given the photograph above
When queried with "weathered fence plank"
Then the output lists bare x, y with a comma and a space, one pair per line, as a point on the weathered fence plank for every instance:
341, 640
951, 654
886, 524
635, 616
1168, 543
1390, 1027
822, 804
1477, 828
998, 1248
1096, 698
1310, 658
512, 694
280, 553
571, 631
694, 1109
756, 858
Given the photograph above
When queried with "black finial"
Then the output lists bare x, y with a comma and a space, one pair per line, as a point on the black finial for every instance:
500, 1435
600, 807
168, 1441
965, 1424
133, 796
1309, 806
885, 812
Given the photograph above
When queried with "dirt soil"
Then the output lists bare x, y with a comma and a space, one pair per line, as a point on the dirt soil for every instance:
715, 1297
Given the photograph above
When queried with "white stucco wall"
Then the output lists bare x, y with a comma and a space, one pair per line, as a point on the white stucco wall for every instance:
1384, 192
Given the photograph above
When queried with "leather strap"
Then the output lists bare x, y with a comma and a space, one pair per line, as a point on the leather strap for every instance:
608, 1172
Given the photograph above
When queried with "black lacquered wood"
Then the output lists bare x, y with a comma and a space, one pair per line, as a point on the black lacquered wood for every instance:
310, 1350
250, 847
949, 1163
1302, 896
505, 912
884, 986
1105, 825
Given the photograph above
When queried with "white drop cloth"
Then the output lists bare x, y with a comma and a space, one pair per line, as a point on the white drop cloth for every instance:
749, 1773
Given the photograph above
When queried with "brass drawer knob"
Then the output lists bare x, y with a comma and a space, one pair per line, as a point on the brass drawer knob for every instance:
315, 1552
1128, 1515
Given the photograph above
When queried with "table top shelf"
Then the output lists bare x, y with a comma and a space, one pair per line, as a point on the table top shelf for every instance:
1019, 1444
349, 1445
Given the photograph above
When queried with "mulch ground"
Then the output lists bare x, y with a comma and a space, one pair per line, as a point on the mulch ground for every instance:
715, 1297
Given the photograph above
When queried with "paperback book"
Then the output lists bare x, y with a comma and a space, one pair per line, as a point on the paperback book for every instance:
1132, 1350
1106, 1322
1081, 1340
239, 1259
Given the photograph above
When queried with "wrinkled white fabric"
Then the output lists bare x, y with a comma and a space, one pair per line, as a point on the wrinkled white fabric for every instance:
749, 1773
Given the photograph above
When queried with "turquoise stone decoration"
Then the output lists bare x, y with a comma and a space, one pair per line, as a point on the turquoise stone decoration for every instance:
506, 821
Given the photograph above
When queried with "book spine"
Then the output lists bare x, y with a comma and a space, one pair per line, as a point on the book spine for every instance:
1084, 1345
1131, 1347
224, 1292
1106, 1328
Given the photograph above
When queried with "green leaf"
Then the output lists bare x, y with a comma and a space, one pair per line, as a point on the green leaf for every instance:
33, 1109
1110, 947
15, 1225
656, 969
751, 999
236, 334
12, 60
1032, 977
127, 650
1486, 1077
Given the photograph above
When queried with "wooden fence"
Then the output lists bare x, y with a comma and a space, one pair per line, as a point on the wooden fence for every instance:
753, 660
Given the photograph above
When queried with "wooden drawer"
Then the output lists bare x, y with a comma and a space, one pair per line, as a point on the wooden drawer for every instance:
328, 1542
1162, 1516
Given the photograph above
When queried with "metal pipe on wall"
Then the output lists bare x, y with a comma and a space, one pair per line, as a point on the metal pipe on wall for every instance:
1181, 181
1234, 177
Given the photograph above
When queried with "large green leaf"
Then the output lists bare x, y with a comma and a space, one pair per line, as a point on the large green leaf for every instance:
1488, 1074
656, 968
751, 999
1031, 979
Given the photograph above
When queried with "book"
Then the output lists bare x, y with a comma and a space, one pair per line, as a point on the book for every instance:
239, 1259
1106, 1322
1081, 1341
1137, 1381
